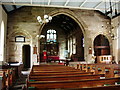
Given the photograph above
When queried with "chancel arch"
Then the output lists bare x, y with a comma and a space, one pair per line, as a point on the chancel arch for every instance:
67, 42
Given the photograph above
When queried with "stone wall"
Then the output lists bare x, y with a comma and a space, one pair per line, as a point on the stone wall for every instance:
92, 23
116, 42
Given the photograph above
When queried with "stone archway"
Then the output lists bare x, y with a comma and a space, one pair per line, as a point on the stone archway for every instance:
76, 49
69, 13
14, 49
101, 46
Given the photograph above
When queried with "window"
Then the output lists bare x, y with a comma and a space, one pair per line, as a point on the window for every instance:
83, 44
71, 47
74, 45
19, 39
2, 42
68, 45
51, 35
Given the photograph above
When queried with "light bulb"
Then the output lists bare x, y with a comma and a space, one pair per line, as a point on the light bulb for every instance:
40, 20
37, 36
47, 20
50, 18
45, 16
38, 17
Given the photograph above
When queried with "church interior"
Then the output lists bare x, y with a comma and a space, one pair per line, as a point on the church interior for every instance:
59, 44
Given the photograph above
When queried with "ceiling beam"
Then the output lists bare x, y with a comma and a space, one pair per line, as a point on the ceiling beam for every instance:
27, 4
49, 1
83, 3
98, 4
67, 1
4, 8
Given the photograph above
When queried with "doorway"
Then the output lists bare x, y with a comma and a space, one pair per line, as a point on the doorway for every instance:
26, 56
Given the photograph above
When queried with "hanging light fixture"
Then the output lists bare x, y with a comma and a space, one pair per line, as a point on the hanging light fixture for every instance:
45, 19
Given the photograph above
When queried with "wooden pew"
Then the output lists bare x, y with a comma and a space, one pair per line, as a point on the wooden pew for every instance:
109, 87
68, 77
62, 74
108, 69
86, 67
58, 70
43, 77
2, 80
12, 76
52, 68
9, 75
71, 83
55, 72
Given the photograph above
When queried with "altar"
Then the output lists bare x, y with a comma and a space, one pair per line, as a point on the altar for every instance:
53, 58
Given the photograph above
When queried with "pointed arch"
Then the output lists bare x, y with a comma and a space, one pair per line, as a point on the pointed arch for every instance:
70, 14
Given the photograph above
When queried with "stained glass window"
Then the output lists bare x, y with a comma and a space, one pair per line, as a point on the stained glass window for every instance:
51, 35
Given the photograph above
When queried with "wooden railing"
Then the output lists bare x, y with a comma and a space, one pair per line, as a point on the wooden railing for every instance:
105, 59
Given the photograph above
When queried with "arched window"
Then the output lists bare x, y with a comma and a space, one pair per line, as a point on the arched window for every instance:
83, 42
51, 36
2, 42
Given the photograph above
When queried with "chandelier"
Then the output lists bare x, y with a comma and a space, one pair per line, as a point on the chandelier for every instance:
45, 19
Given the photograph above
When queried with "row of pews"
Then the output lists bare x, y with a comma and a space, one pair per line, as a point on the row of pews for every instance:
44, 77
7, 77
8, 74
109, 70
